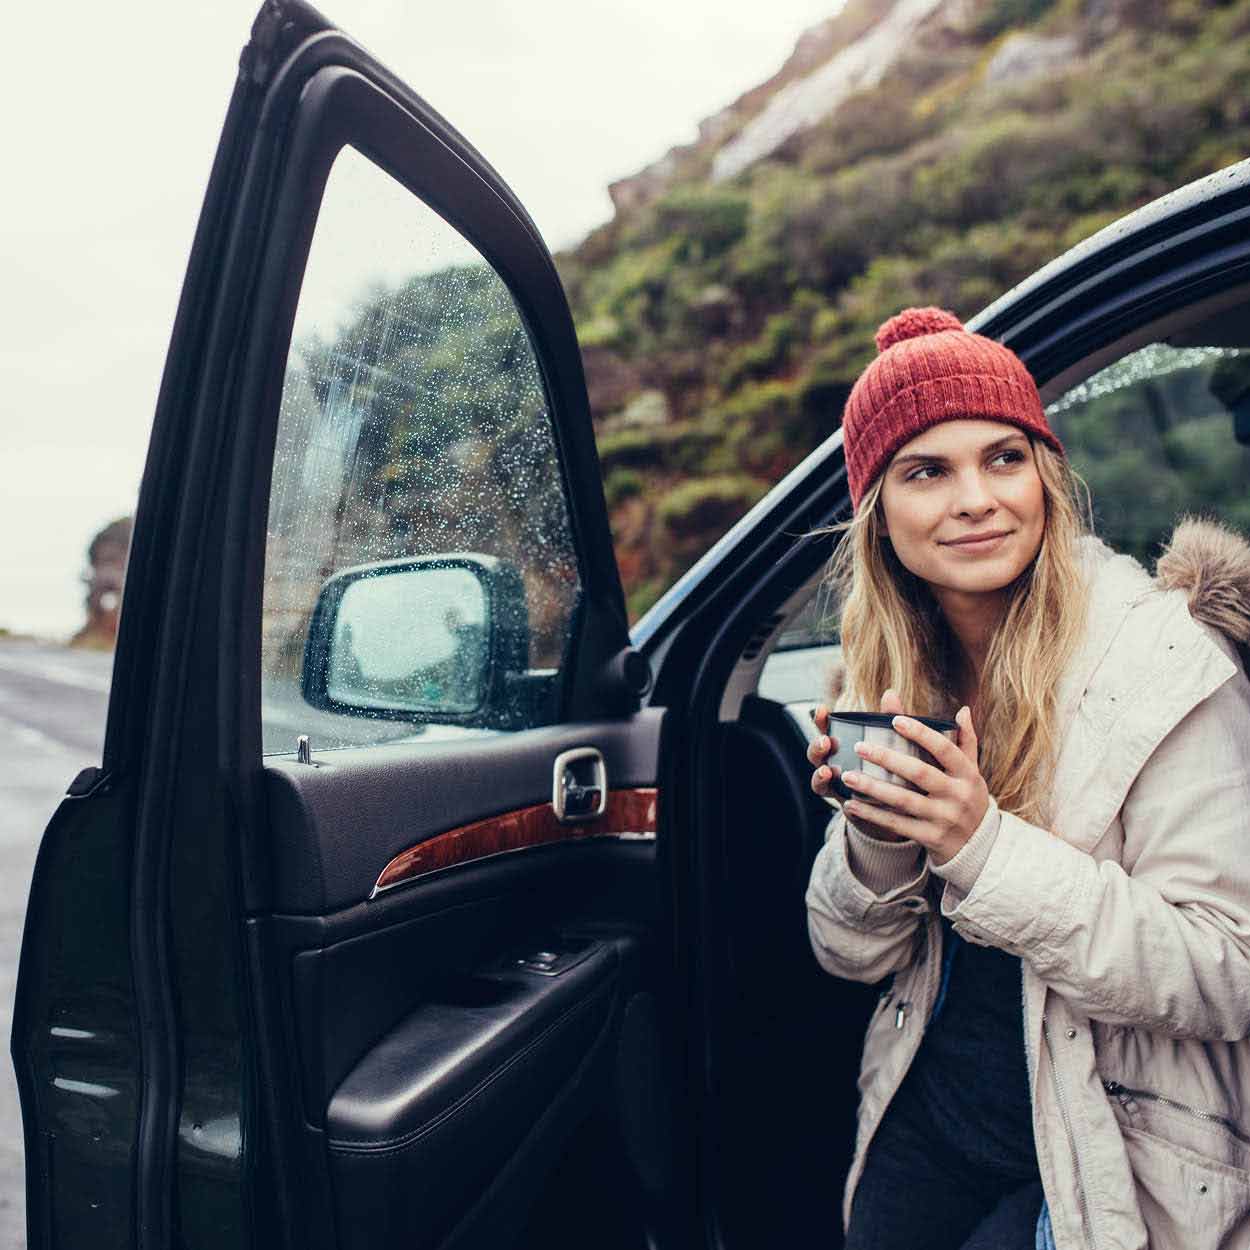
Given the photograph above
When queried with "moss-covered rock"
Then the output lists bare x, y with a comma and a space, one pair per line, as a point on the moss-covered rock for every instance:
622, 484
688, 512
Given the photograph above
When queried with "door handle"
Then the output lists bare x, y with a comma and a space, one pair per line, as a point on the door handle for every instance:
579, 788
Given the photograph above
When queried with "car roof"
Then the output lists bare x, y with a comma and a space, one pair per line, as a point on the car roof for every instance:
1204, 198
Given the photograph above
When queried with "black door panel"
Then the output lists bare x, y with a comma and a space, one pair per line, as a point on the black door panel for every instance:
532, 1185
431, 1114
351, 977
469, 1033
337, 825
392, 1012
401, 1002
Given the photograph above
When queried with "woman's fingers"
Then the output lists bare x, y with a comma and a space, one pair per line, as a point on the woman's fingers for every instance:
821, 749
822, 779
967, 734
931, 780
910, 802
893, 822
951, 758
822, 746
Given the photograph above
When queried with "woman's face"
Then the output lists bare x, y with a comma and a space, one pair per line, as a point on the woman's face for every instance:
957, 480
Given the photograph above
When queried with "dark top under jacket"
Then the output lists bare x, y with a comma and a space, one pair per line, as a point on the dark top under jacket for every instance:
953, 1162
970, 1073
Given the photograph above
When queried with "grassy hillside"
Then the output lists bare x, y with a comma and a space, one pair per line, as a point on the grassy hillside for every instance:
723, 321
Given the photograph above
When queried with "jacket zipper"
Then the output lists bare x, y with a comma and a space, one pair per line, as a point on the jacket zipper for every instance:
1125, 1095
1067, 1124
928, 931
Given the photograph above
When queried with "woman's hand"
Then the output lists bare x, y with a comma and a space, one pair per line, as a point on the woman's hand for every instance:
822, 779
952, 799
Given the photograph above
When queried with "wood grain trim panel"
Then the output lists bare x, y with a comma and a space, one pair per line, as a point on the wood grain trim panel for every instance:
627, 812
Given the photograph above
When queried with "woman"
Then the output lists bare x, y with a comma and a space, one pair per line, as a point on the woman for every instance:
1062, 909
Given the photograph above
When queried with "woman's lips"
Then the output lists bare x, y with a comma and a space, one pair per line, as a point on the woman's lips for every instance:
980, 547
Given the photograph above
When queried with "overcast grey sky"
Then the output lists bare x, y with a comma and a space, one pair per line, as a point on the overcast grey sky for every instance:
112, 116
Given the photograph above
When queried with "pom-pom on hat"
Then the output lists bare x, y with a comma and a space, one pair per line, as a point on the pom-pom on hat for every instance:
930, 369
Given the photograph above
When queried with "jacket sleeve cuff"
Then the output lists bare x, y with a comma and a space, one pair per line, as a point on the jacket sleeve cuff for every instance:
962, 869
1024, 892
884, 868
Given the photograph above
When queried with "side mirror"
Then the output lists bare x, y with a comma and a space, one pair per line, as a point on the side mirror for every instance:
441, 638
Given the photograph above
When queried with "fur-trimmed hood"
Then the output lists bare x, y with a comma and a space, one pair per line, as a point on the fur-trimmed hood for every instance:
1211, 563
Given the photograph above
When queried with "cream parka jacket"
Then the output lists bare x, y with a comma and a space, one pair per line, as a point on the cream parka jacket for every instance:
1130, 912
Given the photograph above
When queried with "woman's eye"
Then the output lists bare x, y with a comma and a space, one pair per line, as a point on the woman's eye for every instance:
919, 475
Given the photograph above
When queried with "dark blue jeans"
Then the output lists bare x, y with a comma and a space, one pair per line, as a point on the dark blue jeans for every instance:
918, 1193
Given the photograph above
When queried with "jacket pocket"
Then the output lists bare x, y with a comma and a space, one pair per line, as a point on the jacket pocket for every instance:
1187, 1201
1192, 1171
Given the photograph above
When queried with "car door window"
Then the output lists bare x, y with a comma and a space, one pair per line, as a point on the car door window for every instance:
798, 667
414, 423
1155, 434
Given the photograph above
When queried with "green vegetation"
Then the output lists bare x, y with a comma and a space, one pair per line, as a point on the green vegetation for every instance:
700, 223
1153, 437
622, 484
1001, 15
752, 304
701, 506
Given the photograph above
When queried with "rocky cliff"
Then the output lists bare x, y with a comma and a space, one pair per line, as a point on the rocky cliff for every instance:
922, 151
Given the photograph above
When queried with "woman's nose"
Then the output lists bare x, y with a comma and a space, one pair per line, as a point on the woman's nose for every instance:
972, 495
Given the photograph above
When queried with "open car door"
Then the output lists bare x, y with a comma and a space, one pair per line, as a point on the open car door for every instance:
358, 936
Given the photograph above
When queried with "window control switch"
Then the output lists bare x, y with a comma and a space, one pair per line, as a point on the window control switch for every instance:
550, 963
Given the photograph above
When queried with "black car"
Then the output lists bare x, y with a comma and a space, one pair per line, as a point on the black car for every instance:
418, 900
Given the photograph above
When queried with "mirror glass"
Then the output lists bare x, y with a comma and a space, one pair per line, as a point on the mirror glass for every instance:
413, 639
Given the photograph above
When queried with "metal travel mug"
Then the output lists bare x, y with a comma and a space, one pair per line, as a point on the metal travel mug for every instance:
876, 728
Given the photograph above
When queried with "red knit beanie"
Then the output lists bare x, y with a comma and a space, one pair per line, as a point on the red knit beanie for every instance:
930, 369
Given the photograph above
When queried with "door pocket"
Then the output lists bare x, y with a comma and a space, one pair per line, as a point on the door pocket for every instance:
451, 1100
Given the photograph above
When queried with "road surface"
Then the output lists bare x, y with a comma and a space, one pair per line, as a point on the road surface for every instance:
52, 706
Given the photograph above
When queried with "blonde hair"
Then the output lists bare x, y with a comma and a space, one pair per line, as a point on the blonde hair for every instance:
894, 635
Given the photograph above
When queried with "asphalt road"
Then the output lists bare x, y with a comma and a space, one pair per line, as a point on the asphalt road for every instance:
52, 706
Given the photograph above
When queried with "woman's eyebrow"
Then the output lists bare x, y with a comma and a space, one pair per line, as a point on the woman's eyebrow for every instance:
933, 457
